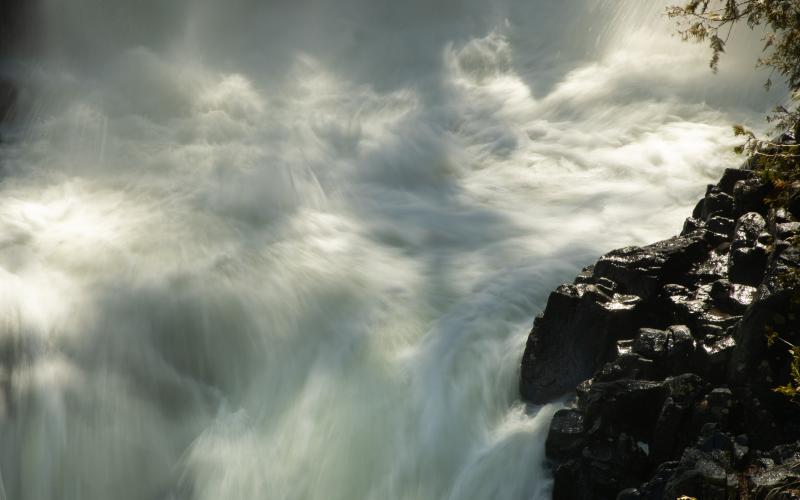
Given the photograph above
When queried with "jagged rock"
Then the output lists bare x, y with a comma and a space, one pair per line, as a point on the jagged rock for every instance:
641, 270
623, 405
748, 256
703, 475
627, 366
602, 470
749, 196
721, 225
772, 300
567, 433
732, 297
718, 204
794, 205
786, 230
703, 303
748, 227
714, 356
712, 268
733, 175
691, 224
572, 338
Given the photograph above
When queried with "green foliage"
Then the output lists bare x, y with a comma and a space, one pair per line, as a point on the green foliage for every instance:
712, 21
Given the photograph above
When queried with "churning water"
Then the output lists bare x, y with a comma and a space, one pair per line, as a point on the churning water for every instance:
291, 250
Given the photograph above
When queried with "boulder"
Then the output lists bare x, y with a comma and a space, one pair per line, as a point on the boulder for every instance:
749, 196
733, 175
641, 270
573, 337
718, 204
748, 256
567, 434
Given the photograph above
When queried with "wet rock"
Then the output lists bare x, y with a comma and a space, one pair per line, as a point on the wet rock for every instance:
641, 270
567, 434
712, 268
702, 303
794, 205
748, 256
749, 196
667, 435
718, 204
573, 337
773, 299
721, 225
627, 366
602, 470
671, 349
691, 225
699, 474
748, 227
787, 230
715, 355
746, 265
585, 276
733, 175
629, 406
732, 297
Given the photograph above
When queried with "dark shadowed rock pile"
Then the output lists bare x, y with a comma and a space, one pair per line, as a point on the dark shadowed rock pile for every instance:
667, 346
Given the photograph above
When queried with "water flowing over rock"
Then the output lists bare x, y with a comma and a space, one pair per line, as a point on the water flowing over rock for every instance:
675, 396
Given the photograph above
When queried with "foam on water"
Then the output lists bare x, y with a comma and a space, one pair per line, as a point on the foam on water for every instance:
292, 250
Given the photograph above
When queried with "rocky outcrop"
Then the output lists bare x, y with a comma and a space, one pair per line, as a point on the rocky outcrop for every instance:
664, 349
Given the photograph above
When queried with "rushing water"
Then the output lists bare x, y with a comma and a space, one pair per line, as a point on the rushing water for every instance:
291, 250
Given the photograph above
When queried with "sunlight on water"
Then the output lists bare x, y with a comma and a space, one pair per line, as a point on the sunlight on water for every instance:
260, 250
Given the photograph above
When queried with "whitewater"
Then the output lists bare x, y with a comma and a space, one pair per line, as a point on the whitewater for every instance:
292, 250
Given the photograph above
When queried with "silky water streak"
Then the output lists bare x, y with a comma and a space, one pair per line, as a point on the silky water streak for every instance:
292, 250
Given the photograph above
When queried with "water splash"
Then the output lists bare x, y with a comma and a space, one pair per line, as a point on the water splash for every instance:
261, 250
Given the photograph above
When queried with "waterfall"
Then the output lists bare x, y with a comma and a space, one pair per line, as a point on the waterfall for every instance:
292, 250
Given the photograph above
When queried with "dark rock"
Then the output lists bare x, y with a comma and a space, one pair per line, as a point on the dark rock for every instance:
681, 398
721, 225
712, 268
787, 230
572, 482
629, 406
731, 296
773, 299
794, 205
748, 227
701, 475
567, 434
715, 354
641, 270
691, 225
731, 176
747, 257
718, 204
749, 196
667, 436
671, 349
585, 276
746, 265
627, 366
697, 213
602, 470
572, 339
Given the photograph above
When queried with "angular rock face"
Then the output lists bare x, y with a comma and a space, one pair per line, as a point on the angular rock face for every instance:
667, 347
553, 363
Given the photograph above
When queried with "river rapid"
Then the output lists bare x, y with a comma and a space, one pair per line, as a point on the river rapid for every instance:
292, 250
